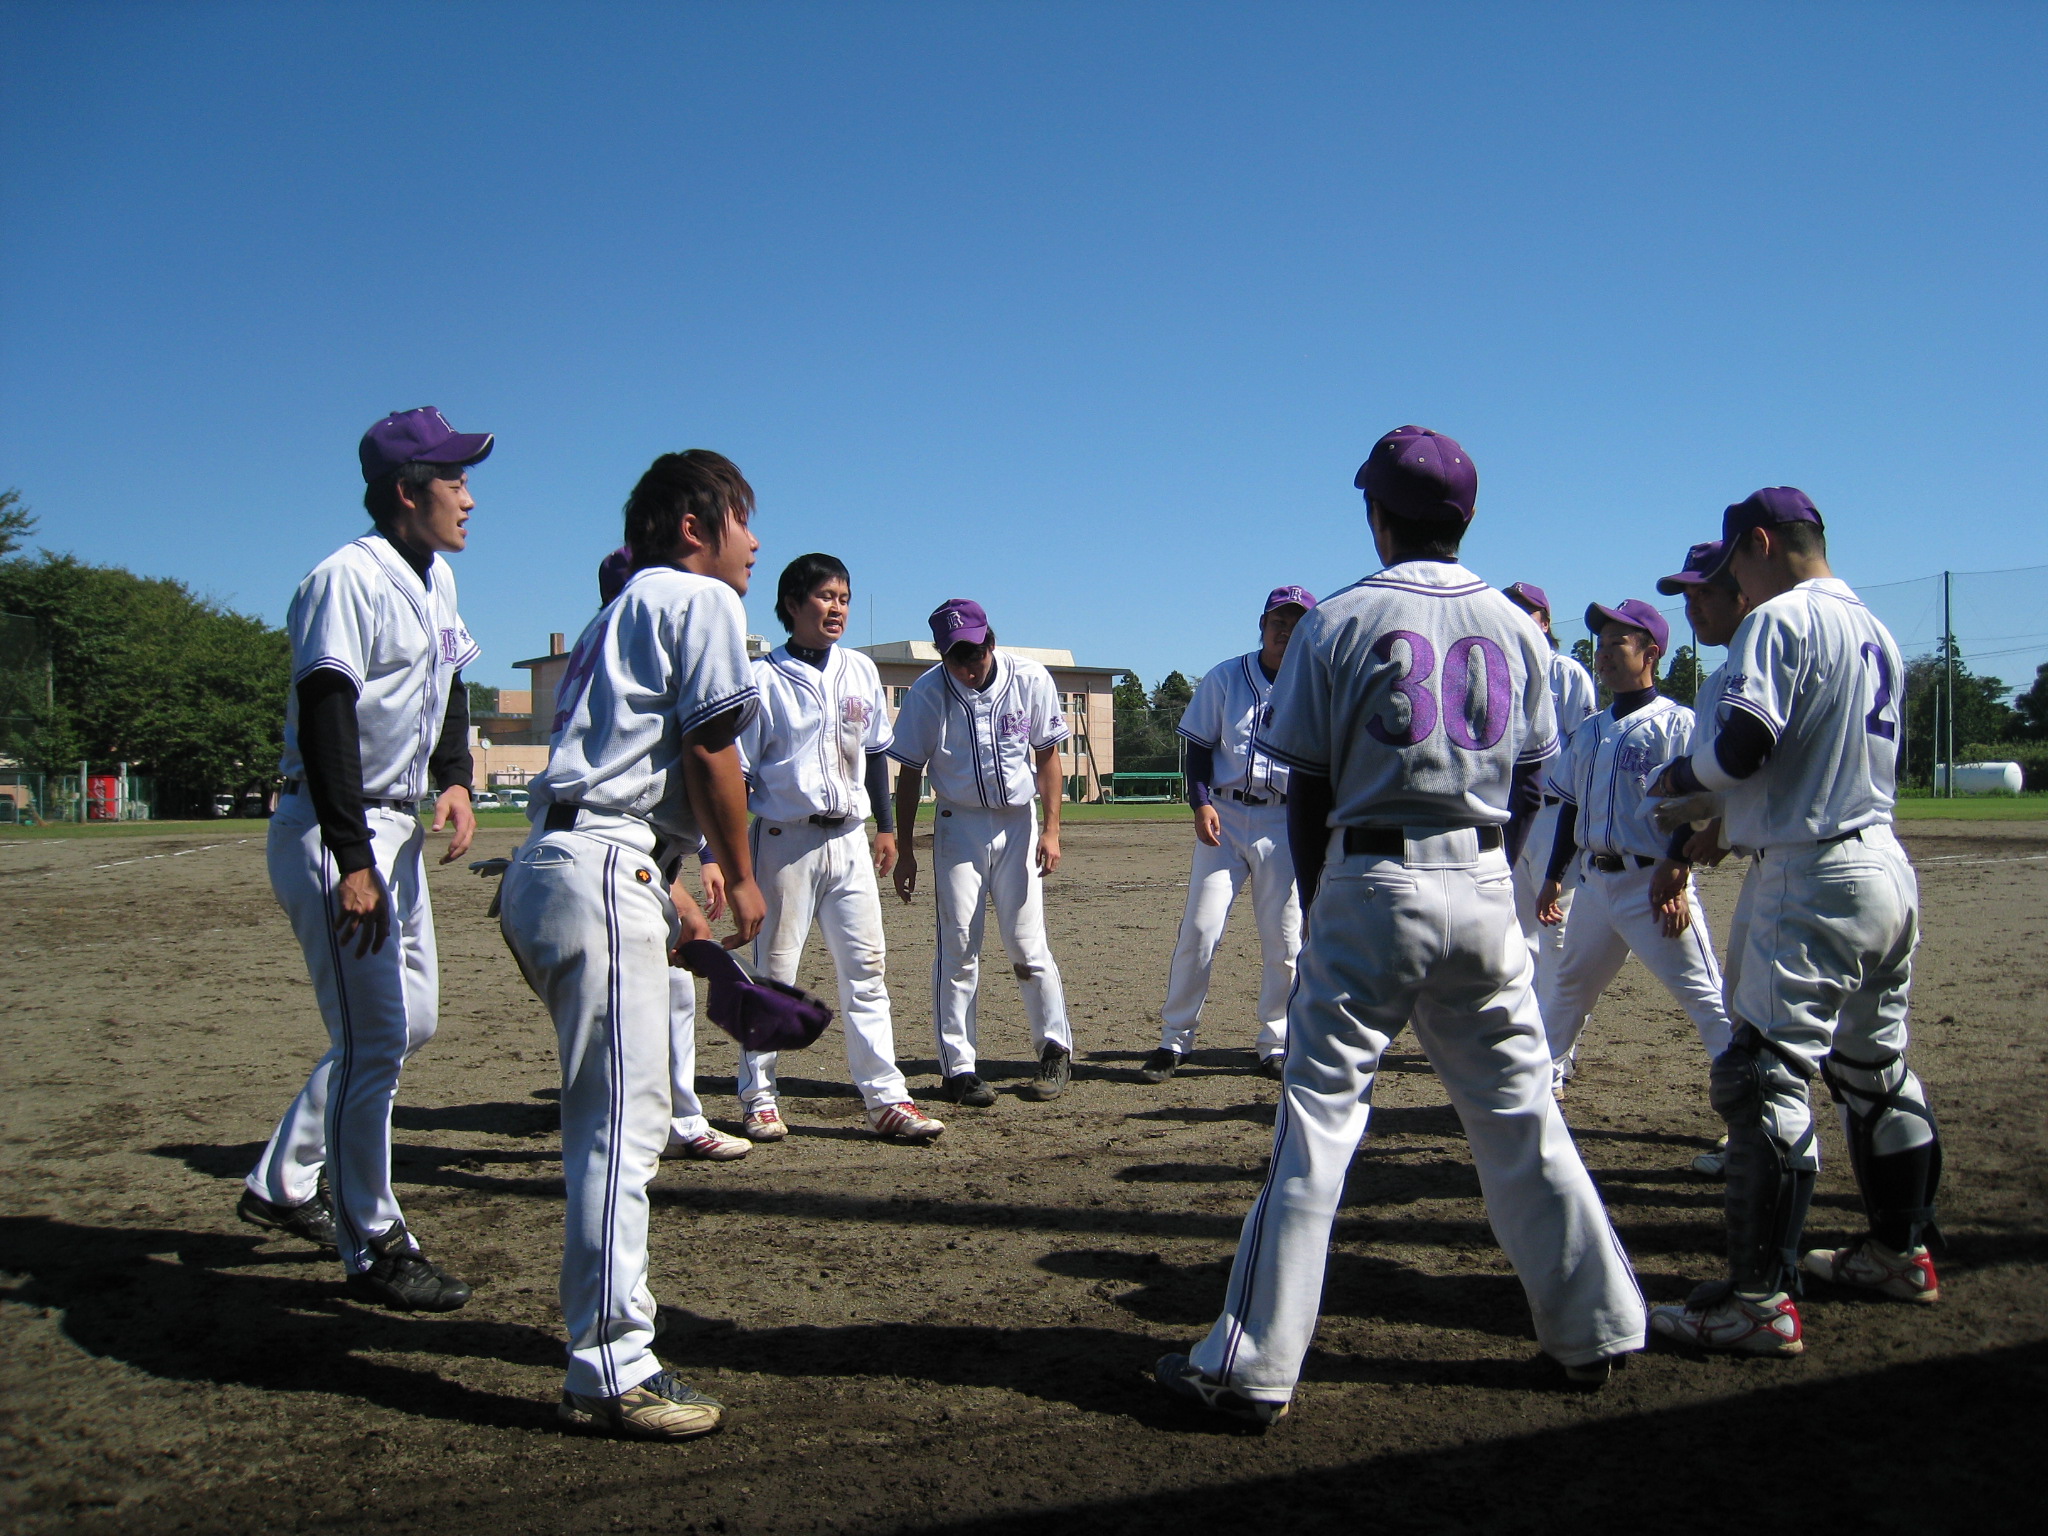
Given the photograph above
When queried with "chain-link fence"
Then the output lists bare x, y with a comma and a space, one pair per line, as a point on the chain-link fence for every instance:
24, 682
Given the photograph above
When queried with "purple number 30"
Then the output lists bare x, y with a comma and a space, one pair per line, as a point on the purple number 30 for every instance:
1423, 710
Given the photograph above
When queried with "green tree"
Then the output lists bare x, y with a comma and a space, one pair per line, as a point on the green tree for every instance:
1982, 715
483, 700
16, 522
1147, 734
1683, 677
1582, 653
2031, 707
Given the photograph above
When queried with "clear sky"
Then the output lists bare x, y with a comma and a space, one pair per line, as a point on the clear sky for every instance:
1089, 311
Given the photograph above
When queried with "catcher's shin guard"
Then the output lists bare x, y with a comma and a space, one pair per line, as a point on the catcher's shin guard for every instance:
1883, 1103
1770, 1181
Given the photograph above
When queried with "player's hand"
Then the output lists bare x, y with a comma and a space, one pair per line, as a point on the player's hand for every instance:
1670, 815
692, 922
712, 878
1548, 912
452, 804
1704, 846
749, 910
885, 853
365, 914
1048, 851
1209, 826
906, 871
1668, 884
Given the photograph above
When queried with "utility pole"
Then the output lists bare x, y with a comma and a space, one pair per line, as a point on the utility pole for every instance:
1948, 682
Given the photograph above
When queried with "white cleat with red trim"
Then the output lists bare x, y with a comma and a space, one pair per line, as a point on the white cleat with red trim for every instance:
710, 1146
1718, 1317
1868, 1265
905, 1120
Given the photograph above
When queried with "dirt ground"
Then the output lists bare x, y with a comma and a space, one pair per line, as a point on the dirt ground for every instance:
947, 1338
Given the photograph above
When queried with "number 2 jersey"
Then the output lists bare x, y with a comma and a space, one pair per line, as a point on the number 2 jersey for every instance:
1416, 692
1822, 676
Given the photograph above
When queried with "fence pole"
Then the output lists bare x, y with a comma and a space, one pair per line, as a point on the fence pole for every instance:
1948, 673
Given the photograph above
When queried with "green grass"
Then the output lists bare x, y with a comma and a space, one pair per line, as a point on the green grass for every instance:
1924, 807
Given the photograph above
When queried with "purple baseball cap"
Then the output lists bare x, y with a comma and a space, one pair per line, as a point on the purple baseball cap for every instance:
1416, 473
1699, 560
1282, 597
1632, 611
956, 621
612, 572
418, 437
1772, 507
762, 1015
1529, 596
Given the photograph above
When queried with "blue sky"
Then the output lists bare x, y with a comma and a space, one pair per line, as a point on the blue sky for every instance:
1088, 311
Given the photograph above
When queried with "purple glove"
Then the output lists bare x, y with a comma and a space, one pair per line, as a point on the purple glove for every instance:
761, 1015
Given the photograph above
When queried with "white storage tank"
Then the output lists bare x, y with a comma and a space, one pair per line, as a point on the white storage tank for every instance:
1980, 778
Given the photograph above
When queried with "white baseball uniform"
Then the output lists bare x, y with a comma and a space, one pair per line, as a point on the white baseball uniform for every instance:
1573, 697
1417, 693
1605, 772
366, 613
1250, 792
978, 749
587, 913
806, 756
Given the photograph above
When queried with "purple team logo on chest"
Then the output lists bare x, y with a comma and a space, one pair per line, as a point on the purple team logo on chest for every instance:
1015, 726
1634, 758
451, 646
854, 711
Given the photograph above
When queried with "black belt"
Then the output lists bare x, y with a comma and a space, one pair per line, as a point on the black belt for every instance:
1276, 798
561, 816
1553, 799
1392, 842
1615, 863
293, 786
830, 821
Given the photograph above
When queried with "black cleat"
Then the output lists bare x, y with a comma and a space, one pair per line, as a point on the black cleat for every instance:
1272, 1068
1160, 1065
404, 1279
1054, 1067
966, 1088
313, 1220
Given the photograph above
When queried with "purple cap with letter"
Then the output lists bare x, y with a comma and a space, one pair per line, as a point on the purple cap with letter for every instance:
1419, 474
418, 437
1633, 611
1772, 507
1283, 597
612, 572
1699, 561
1527, 596
958, 621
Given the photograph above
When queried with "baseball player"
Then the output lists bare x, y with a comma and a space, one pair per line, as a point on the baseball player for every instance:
646, 714
691, 1135
1414, 709
1239, 797
816, 763
1803, 748
1635, 881
1572, 695
377, 712
987, 727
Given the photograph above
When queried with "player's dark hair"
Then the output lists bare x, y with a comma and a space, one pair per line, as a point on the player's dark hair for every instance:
1807, 539
800, 578
963, 651
1415, 538
380, 496
675, 485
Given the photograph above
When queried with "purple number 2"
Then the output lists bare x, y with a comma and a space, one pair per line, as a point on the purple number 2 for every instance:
1875, 722
1423, 709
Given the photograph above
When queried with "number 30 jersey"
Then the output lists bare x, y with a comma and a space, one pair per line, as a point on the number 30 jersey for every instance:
1415, 692
1823, 676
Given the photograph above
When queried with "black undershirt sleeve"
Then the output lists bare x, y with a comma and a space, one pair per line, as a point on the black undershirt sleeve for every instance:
1310, 800
1743, 743
332, 754
1198, 768
1525, 799
1675, 850
1566, 843
451, 763
879, 802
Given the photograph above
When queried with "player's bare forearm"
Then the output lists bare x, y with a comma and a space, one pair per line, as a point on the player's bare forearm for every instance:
909, 787
1051, 788
452, 805
718, 799
692, 921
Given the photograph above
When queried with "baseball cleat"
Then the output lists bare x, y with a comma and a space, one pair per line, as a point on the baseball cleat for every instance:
1716, 1316
1160, 1065
965, 1088
905, 1120
1177, 1373
1592, 1375
764, 1124
1272, 1068
660, 1408
313, 1220
1714, 1164
1054, 1066
404, 1279
1867, 1265
709, 1146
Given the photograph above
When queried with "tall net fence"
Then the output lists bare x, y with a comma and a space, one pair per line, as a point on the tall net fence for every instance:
24, 681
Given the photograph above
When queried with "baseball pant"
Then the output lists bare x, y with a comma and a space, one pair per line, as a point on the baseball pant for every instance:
379, 1009
588, 917
1546, 945
1254, 849
686, 1110
1611, 918
826, 874
1738, 939
978, 853
1431, 939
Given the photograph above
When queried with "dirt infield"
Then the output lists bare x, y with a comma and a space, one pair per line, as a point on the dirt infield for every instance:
950, 1338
